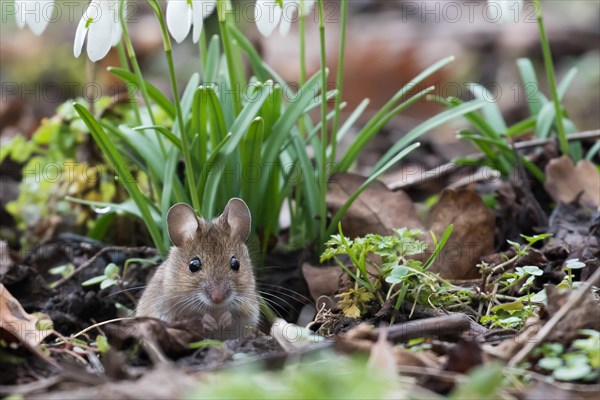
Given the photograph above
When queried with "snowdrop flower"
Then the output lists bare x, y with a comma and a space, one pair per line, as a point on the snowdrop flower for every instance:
34, 13
182, 14
100, 23
508, 9
268, 14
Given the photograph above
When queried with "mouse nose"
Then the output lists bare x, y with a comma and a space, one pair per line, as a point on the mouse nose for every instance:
217, 295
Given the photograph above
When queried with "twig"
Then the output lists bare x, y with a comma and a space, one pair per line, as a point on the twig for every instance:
128, 250
566, 386
26, 388
451, 166
444, 325
449, 376
574, 299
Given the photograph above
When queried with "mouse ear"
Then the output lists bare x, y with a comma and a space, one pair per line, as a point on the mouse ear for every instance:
182, 223
237, 216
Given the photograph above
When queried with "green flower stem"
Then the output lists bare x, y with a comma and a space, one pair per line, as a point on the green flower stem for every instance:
302, 29
203, 52
302, 78
132, 99
185, 145
138, 73
222, 7
323, 164
560, 127
340, 77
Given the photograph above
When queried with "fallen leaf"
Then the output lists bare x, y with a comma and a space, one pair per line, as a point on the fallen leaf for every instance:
566, 181
162, 382
292, 337
520, 210
472, 237
382, 356
321, 281
6, 262
584, 316
377, 209
159, 338
574, 234
16, 325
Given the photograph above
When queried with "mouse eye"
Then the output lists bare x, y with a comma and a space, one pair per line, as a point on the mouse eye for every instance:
235, 264
195, 264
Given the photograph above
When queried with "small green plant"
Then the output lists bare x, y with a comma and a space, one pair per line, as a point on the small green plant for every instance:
325, 376
110, 277
513, 314
570, 265
510, 315
483, 382
63, 270
398, 277
52, 171
580, 363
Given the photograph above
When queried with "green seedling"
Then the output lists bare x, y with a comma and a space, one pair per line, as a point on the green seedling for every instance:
110, 277
398, 277
63, 270
570, 265
580, 363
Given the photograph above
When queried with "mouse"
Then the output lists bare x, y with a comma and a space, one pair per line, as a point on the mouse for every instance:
208, 274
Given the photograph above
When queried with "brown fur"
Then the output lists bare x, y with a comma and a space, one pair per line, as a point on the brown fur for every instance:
175, 293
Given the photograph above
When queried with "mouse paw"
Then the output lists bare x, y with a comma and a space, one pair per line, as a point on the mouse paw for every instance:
209, 323
225, 320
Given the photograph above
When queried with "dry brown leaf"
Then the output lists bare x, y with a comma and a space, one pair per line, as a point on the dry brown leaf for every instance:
565, 181
584, 316
16, 325
163, 338
472, 237
377, 209
382, 356
162, 382
321, 281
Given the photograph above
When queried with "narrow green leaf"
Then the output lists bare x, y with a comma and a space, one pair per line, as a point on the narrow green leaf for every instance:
211, 64
374, 126
491, 111
167, 133
533, 96
153, 92
426, 126
439, 246
123, 173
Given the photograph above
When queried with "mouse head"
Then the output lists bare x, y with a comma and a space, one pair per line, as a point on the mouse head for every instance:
209, 260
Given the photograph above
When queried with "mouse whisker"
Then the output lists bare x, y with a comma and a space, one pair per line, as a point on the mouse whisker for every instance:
287, 291
274, 307
263, 294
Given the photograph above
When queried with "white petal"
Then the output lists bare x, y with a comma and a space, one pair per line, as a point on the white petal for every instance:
290, 9
267, 14
117, 30
39, 20
206, 6
508, 9
116, 35
80, 34
197, 21
100, 34
308, 6
179, 19
20, 13
286, 23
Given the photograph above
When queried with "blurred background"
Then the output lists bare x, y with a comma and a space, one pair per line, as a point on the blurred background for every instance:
388, 43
